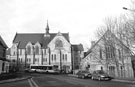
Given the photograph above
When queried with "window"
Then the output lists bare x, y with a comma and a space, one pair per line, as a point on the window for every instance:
27, 60
65, 57
37, 50
52, 57
4, 52
29, 50
36, 59
13, 60
100, 52
45, 51
14, 53
119, 53
3, 64
55, 57
46, 60
58, 43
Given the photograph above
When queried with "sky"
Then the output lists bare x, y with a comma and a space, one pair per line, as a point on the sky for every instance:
79, 18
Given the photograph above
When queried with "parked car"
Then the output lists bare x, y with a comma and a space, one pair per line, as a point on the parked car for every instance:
83, 74
100, 75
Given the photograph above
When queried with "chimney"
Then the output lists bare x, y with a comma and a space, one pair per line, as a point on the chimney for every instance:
92, 43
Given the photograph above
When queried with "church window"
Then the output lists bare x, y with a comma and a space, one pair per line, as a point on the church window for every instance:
52, 57
29, 50
100, 51
46, 60
58, 43
119, 51
65, 57
29, 60
14, 53
45, 51
37, 50
55, 57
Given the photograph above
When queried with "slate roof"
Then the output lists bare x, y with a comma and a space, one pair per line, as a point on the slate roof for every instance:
24, 38
78, 47
3, 43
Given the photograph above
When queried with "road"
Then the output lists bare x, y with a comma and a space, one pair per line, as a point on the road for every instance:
46, 80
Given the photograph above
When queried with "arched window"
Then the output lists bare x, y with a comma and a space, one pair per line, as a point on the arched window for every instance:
29, 50
55, 57
65, 57
52, 57
58, 43
36, 50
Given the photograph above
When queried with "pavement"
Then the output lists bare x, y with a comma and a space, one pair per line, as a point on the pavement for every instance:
115, 79
15, 79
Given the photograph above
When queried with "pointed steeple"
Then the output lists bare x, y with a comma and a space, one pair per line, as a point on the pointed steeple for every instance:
47, 28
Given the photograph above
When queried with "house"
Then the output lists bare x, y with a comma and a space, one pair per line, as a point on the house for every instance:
77, 55
133, 63
4, 63
111, 55
42, 49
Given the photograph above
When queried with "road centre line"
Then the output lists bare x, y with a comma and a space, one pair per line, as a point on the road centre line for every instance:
32, 83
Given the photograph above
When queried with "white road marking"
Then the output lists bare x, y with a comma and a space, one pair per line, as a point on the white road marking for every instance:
30, 83
34, 83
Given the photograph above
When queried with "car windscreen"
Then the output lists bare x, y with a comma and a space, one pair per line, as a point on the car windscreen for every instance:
85, 71
101, 72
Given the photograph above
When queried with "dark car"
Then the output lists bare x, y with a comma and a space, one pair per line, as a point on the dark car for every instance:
100, 75
83, 74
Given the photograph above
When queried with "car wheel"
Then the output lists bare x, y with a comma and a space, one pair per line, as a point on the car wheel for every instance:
77, 76
92, 78
82, 77
99, 78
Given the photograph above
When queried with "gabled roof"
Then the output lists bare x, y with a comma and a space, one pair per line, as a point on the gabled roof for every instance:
3, 43
24, 38
110, 33
78, 47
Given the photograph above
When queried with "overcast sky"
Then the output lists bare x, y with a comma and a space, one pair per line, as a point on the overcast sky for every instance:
80, 18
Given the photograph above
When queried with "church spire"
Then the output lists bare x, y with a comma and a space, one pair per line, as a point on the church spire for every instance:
47, 28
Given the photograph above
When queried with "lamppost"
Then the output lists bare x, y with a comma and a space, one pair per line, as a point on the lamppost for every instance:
133, 10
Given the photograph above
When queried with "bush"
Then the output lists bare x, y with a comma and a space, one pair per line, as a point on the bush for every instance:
6, 76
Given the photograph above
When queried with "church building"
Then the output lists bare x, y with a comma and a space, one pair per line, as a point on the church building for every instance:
42, 49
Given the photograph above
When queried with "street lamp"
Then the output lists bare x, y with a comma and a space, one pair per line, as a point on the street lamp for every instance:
133, 10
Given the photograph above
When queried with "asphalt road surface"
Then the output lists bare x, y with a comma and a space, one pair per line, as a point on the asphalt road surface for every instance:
46, 80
